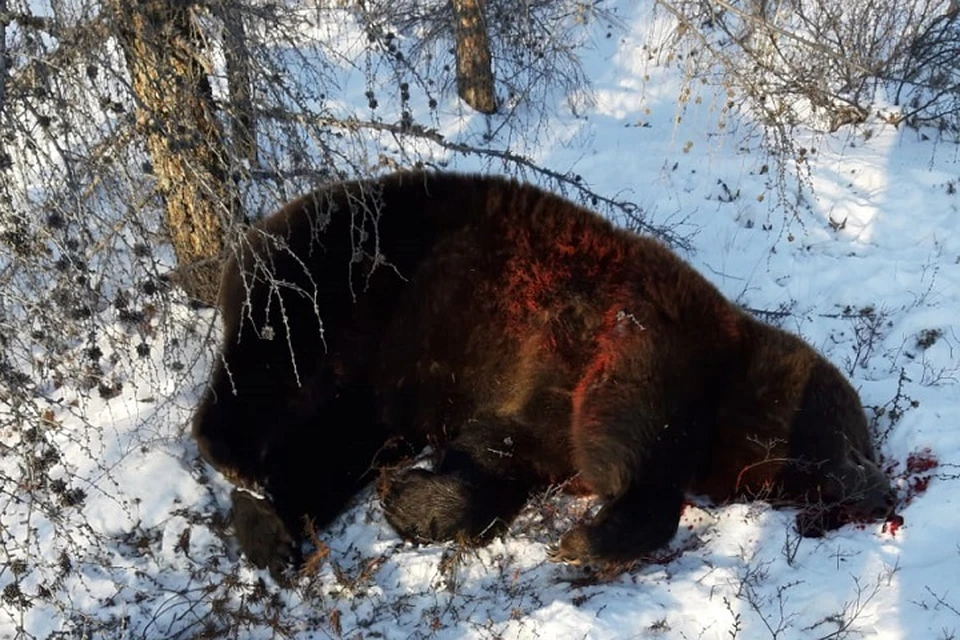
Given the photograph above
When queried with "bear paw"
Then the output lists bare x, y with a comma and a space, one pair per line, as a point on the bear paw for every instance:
575, 548
261, 533
425, 507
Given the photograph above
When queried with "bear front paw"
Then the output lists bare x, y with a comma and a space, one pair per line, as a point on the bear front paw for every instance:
425, 507
575, 548
261, 533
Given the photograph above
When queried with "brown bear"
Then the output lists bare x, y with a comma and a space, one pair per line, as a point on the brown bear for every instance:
530, 341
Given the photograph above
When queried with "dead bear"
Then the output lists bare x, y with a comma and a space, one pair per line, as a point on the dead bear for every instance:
530, 341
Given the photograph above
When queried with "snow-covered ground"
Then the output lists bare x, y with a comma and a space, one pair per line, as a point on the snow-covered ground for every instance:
865, 266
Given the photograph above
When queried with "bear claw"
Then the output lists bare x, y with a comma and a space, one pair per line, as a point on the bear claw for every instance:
573, 549
556, 554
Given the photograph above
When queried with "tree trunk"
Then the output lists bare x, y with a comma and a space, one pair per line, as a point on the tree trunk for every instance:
243, 126
175, 112
3, 63
474, 67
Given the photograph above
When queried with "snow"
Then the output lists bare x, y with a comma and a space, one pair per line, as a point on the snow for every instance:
144, 556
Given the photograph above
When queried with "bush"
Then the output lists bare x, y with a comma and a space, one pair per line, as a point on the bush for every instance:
830, 62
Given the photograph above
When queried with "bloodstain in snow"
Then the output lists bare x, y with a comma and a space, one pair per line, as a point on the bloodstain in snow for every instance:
916, 479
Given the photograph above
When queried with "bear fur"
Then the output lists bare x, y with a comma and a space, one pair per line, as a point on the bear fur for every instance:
530, 342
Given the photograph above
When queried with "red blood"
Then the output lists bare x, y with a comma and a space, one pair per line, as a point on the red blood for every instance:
922, 460
916, 474
893, 524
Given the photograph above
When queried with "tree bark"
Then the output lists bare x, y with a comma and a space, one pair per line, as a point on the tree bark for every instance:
175, 112
3, 60
474, 66
243, 125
